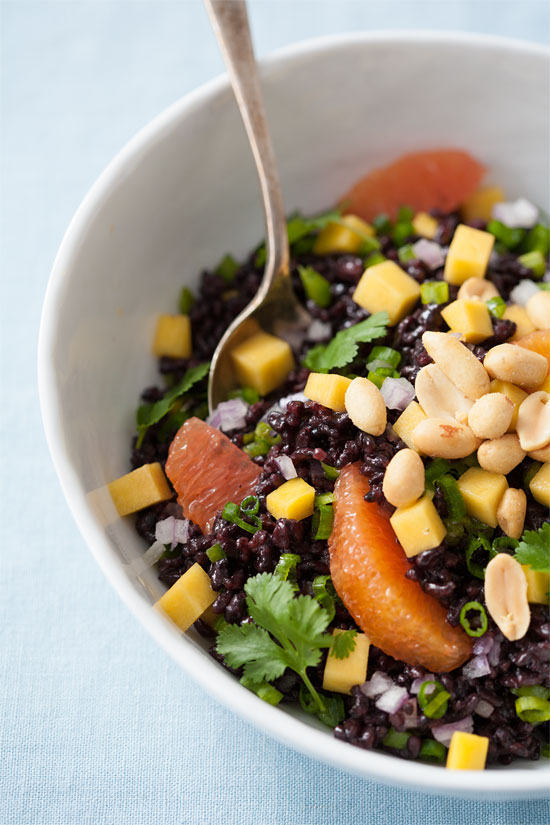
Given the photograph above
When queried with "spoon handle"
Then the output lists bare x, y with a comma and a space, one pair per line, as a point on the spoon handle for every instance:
230, 23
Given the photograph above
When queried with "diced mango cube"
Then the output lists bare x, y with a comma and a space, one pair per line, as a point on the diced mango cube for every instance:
341, 675
515, 394
424, 225
482, 491
538, 585
262, 362
336, 237
540, 485
469, 317
188, 598
411, 416
385, 286
142, 487
468, 254
467, 752
294, 499
172, 336
520, 318
480, 204
328, 390
418, 527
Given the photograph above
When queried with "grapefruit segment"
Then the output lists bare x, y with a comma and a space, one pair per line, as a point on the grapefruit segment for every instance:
538, 341
208, 470
436, 179
368, 569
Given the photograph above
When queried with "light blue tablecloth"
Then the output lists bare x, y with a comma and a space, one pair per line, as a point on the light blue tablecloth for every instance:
98, 725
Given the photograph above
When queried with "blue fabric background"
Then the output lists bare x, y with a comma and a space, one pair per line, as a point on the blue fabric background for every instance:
98, 725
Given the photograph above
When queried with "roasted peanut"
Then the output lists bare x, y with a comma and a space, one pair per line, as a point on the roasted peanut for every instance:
404, 478
458, 363
506, 596
511, 512
538, 310
491, 415
501, 455
477, 289
533, 425
518, 365
540, 455
365, 406
438, 396
443, 438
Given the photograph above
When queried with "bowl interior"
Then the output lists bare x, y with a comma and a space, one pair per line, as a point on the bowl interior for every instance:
184, 193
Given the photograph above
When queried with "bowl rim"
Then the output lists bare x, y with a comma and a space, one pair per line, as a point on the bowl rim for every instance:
375, 765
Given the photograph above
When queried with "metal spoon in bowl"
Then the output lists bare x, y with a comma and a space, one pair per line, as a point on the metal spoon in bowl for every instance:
275, 306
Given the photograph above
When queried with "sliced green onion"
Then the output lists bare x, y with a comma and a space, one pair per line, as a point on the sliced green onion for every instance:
496, 306
286, 566
406, 253
530, 473
532, 690
248, 438
382, 224
433, 699
544, 287
187, 299
465, 622
219, 623
538, 240
503, 543
391, 356
533, 709
545, 751
378, 380
324, 592
475, 544
322, 522
505, 234
324, 498
316, 287
535, 261
430, 749
434, 292
231, 512
437, 468
402, 231
368, 245
250, 505
331, 473
405, 213
396, 739
262, 441
227, 269
248, 394
215, 553
453, 497
264, 690
373, 259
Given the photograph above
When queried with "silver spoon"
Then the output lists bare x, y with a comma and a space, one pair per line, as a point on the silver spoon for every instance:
275, 306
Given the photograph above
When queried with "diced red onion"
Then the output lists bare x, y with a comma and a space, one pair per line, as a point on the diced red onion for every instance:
410, 713
392, 700
476, 667
319, 331
149, 558
494, 653
444, 733
417, 684
379, 683
521, 293
429, 252
286, 466
483, 645
397, 393
181, 531
484, 709
172, 531
229, 415
519, 214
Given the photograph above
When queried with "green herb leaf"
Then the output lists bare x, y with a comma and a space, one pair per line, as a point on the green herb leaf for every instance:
344, 346
534, 549
149, 414
343, 644
315, 286
227, 269
252, 647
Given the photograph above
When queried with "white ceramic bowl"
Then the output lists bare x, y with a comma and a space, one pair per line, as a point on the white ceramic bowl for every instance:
184, 192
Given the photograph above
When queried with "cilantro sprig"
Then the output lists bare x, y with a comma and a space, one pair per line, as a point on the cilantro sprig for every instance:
344, 346
534, 549
286, 631
149, 414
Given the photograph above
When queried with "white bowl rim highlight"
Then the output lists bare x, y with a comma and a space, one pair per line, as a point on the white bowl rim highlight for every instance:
508, 782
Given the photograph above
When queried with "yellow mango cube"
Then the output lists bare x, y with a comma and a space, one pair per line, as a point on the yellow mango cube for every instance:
262, 362
188, 598
410, 418
172, 336
468, 254
340, 675
482, 491
540, 485
538, 585
385, 286
467, 752
347, 236
480, 204
328, 390
418, 527
469, 317
520, 318
294, 499
424, 225
515, 394
142, 487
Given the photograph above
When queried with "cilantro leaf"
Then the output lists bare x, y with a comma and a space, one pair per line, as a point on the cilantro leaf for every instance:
343, 644
345, 344
149, 414
534, 549
252, 647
